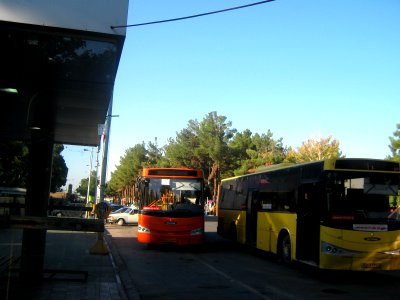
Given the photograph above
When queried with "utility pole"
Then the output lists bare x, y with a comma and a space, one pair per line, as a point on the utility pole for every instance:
100, 247
105, 141
90, 175
104, 158
96, 192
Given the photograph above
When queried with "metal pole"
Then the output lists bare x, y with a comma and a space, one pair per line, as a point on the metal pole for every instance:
90, 175
97, 172
100, 247
105, 152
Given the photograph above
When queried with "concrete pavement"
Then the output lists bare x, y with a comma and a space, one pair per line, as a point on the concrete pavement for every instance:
71, 272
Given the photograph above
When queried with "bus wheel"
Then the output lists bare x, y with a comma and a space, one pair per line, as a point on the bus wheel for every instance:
232, 232
285, 250
121, 222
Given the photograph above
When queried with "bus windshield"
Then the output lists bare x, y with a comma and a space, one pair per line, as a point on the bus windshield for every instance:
169, 193
362, 198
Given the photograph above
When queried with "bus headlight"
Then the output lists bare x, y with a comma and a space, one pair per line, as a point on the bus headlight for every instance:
334, 250
143, 229
392, 252
197, 231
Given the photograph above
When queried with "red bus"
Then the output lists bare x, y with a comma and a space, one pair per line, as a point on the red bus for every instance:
171, 202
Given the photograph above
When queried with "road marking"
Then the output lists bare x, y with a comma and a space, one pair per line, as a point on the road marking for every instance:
223, 274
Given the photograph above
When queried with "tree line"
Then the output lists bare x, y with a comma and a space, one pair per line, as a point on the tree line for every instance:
14, 165
220, 151
211, 144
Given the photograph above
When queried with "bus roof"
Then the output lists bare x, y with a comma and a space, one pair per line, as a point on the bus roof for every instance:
339, 164
362, 164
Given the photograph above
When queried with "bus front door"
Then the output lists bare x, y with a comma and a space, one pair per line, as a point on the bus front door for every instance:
308, 229
252, 207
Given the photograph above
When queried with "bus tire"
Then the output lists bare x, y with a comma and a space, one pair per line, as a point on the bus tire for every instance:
285, 249
232, 234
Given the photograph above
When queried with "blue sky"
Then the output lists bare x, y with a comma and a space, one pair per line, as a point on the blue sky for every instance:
302, 69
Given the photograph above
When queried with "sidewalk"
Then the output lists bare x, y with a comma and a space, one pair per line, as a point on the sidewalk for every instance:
75, 273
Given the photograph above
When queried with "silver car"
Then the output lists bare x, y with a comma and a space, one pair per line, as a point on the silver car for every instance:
125, 215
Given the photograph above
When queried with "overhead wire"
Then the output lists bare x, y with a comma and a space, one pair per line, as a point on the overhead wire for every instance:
193, 16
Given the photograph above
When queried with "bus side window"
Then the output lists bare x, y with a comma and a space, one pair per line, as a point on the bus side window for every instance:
276, 201
222, 197
227, 198
287, 201
264, 204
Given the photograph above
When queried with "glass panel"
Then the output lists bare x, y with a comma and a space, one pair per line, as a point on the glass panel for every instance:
81, 59
173, 193
363, 199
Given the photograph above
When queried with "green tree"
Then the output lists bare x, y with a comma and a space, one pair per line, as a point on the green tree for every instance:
183, 151
395, 145
59, 169
256, 151
129, 168
14, 158
240, 146
82, 189
315, 149
154, 154
214, 135
202, 145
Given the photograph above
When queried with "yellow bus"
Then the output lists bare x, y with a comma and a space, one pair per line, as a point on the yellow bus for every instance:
340, 214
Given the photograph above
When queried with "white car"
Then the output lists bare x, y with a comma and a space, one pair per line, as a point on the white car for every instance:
125, 215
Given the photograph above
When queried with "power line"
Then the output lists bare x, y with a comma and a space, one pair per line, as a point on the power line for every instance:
193, 16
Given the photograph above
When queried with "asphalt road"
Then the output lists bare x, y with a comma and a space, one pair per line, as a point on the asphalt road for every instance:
222, 270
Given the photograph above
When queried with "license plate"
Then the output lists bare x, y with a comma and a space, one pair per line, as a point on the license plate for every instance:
169, 242
371, 266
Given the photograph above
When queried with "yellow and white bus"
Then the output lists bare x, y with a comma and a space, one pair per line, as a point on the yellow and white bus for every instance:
338, 214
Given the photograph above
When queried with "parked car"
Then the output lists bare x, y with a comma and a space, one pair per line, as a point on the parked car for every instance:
120, 210
125, 215
70, 210
115, 207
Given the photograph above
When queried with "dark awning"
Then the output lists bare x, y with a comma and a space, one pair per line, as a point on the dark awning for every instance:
58, 80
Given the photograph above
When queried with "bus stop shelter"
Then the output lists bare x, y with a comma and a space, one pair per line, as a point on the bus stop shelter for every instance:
58, 66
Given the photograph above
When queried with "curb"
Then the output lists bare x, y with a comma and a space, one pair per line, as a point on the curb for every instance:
126, 287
